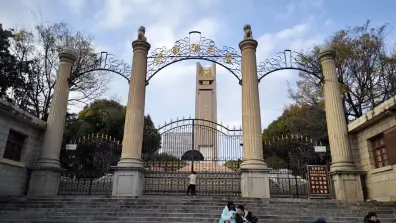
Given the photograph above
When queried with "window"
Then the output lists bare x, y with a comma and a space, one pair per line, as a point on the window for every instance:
379, 150
14, 147
384, 148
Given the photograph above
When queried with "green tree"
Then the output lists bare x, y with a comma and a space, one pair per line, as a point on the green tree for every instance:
284, 134
366, 70
299, 119
8, 63
107, 117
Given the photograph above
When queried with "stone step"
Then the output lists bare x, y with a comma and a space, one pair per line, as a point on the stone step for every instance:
139, 201
197, 218
200, 201
136, 221
183, 209
261, 215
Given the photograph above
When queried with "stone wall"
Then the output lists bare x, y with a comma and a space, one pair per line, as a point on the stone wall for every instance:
380, 183
14, 175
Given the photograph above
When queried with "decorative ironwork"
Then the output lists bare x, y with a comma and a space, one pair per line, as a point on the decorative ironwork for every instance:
208, 148
88, 167
105, 61
289, 60
288, 156
187, 48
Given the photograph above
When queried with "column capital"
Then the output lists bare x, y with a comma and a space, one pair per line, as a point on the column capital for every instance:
327, 52
67, 55
248, 44
141, 45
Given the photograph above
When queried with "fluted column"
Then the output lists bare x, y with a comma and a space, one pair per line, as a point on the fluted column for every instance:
335, 115
129, 173
46, 173
345, 177
134, 118
254, 171
251, 117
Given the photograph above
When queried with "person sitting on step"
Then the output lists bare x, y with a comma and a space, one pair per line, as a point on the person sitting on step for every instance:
244, 216
371, 217
228, 214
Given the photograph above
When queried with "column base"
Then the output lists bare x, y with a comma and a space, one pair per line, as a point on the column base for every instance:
128, 178
347, 185
255, 179
45, 177
342, 166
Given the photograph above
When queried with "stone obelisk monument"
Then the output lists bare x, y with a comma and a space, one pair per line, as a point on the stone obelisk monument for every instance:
205, 140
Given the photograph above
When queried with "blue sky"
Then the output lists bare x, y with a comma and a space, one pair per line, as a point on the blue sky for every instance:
277, 25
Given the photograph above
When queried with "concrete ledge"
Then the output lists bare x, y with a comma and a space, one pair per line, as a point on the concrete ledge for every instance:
381, 170
387, 108
12, 163
20, 115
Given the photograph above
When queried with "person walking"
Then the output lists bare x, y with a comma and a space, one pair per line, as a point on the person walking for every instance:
193, 181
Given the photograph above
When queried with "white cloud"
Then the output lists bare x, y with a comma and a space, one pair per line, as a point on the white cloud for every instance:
171, 92
76, 5
290, 10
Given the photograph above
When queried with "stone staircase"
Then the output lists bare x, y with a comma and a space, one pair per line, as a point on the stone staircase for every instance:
172, 209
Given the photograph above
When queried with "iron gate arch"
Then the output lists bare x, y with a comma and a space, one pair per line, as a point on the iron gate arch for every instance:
216, 164
88, 167
189, 49
288, 157
289, 60
105, 61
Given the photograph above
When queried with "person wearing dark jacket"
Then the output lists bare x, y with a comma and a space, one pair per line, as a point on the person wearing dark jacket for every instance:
244, 216
371, 217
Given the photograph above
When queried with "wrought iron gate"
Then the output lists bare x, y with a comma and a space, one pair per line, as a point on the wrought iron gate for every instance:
210, 149
88, 164
288, 156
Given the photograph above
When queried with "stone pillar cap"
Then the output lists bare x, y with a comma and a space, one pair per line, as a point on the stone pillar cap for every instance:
68, 54
140, 44
327, 51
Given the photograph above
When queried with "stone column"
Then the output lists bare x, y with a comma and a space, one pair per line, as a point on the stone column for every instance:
345, 177
46, 172
129, 173
254, 171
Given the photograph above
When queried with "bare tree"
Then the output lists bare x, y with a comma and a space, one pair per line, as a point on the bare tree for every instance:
37, 52
366, 71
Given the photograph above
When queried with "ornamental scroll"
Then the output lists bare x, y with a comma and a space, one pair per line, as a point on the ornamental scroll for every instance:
318, 177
